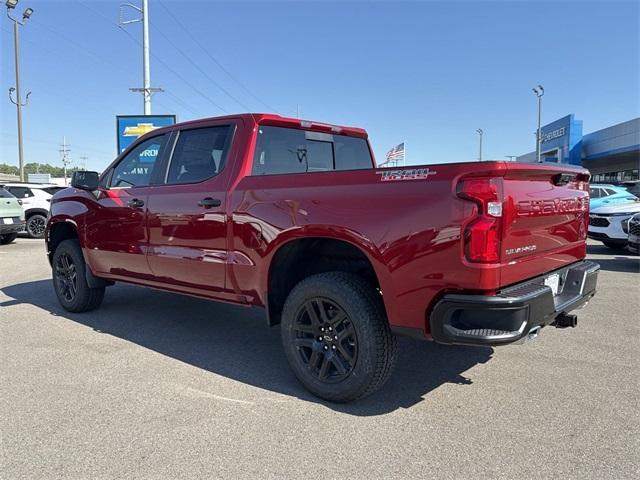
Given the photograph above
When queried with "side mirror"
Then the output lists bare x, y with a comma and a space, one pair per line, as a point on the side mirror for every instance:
85, 180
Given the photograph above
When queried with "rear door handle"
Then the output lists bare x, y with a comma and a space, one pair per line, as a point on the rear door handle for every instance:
209, 202
135, 203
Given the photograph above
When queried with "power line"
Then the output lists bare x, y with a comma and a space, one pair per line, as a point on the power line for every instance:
212, 58
162, 62
197, 67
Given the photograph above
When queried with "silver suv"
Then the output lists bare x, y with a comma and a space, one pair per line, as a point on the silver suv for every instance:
11, 217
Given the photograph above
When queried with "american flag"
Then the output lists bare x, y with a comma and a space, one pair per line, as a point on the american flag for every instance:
396, 153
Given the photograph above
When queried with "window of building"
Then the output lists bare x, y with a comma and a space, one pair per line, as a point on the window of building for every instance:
289, 150
199, 154
136, 168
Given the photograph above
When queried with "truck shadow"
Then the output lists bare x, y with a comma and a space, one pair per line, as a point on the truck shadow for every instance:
236, 342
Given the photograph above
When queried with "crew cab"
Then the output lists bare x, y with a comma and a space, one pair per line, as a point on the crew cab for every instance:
295, 217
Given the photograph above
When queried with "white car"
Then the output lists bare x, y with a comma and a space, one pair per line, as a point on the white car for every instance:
610, 224
633, 225
35, 198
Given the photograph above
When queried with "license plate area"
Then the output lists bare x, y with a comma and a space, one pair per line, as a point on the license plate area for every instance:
8, 221
553, 282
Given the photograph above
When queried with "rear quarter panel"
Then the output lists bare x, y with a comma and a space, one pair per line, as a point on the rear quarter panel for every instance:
409, 229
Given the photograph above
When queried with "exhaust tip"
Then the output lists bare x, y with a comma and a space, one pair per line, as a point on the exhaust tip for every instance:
533, 333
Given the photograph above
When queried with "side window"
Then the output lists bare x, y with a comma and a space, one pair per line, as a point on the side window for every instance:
21, 192
594, 192
352, 153
289, 150
135, 169
609, 192
199, 154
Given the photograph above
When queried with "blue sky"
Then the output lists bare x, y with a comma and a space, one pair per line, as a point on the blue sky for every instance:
426, 73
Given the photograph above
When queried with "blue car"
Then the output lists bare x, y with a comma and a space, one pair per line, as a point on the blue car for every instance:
602, 195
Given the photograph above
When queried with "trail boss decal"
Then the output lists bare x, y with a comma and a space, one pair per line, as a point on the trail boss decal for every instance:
411, 174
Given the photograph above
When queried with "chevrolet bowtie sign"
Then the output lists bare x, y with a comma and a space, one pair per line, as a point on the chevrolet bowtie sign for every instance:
130, 127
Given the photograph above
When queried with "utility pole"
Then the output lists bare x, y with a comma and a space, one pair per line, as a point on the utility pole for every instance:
480, 133
539, 91
64, 151
84, 159
11, 4
147, 90
298, 110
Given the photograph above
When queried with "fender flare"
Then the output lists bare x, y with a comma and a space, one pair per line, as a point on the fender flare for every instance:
35, 211
362, 243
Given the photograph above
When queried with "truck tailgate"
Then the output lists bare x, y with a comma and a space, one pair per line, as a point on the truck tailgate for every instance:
545, 219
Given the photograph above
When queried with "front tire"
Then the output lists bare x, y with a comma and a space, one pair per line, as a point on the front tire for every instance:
70, 281
8, 238
615, 245
35, 226
336, 336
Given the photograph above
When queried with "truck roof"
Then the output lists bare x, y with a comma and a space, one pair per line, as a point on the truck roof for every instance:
277, 120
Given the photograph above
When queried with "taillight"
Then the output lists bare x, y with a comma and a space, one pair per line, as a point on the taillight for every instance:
482, 234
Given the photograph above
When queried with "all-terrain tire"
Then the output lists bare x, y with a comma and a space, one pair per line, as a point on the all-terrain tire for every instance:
70, 281
8, 238
364, 334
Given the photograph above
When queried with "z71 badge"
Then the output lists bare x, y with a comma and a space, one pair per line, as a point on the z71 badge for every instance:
410, 174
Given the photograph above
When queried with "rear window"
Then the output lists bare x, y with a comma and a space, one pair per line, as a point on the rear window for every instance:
4, 193
288, 150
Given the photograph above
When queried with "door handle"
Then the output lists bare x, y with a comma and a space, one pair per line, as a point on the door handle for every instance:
209, 202
135, 203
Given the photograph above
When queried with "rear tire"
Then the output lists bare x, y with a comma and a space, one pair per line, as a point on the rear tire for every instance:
8, 238
336, 336
70, 281
35, 226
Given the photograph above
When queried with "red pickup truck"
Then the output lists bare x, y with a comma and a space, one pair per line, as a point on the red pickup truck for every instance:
294, 216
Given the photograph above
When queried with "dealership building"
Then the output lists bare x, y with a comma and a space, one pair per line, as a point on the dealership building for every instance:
611, 154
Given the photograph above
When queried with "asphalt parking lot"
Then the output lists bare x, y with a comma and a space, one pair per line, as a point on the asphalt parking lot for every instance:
156, 385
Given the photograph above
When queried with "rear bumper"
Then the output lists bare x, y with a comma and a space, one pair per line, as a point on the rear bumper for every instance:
11, 228
513, 313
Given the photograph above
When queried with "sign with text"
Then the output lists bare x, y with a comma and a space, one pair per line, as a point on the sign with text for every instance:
130, 127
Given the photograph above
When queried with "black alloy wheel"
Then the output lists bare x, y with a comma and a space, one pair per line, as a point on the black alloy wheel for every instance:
36, 225
66, 275
325, 340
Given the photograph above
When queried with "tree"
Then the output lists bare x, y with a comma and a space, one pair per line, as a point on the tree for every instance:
36, 168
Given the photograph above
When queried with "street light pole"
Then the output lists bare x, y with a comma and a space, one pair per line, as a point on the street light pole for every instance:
480, 132
539, 91
11, 4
